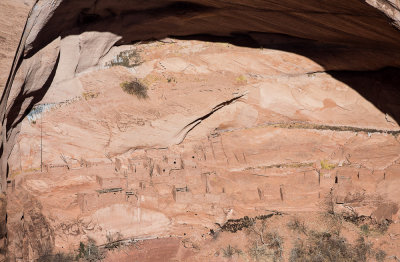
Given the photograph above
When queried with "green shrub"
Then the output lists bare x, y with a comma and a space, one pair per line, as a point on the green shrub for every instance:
135, 87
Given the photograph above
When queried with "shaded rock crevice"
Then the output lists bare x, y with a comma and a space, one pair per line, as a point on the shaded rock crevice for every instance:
185, 130
34, 77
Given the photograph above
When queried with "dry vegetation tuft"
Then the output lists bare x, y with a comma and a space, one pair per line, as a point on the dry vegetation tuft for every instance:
127, 58
323, 246
297, 225
265, 245
135, 87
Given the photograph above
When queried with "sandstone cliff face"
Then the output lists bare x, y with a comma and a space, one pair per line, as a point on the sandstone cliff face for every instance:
345, 35
227, 110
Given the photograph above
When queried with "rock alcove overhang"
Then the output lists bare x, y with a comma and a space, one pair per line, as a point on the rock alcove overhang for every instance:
347, 38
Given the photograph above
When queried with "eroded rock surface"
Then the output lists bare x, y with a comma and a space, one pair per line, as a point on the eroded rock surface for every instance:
222, 132
249, 111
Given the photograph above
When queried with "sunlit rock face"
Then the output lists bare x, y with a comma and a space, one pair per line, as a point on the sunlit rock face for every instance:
341, 35
145, 119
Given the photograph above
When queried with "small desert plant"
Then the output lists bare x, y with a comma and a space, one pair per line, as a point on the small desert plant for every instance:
241, 80
113, 240
90, 95
322, 246
112, 237
265, 244
229, 251
326, 165
333, 219
171, 79
259, 252
296, 225
135, 87
90, 252
365, 229
362, 249
275, 243
380, 256
368, 225
383, 226
127, 58
214, 234
329, 204
59, 257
